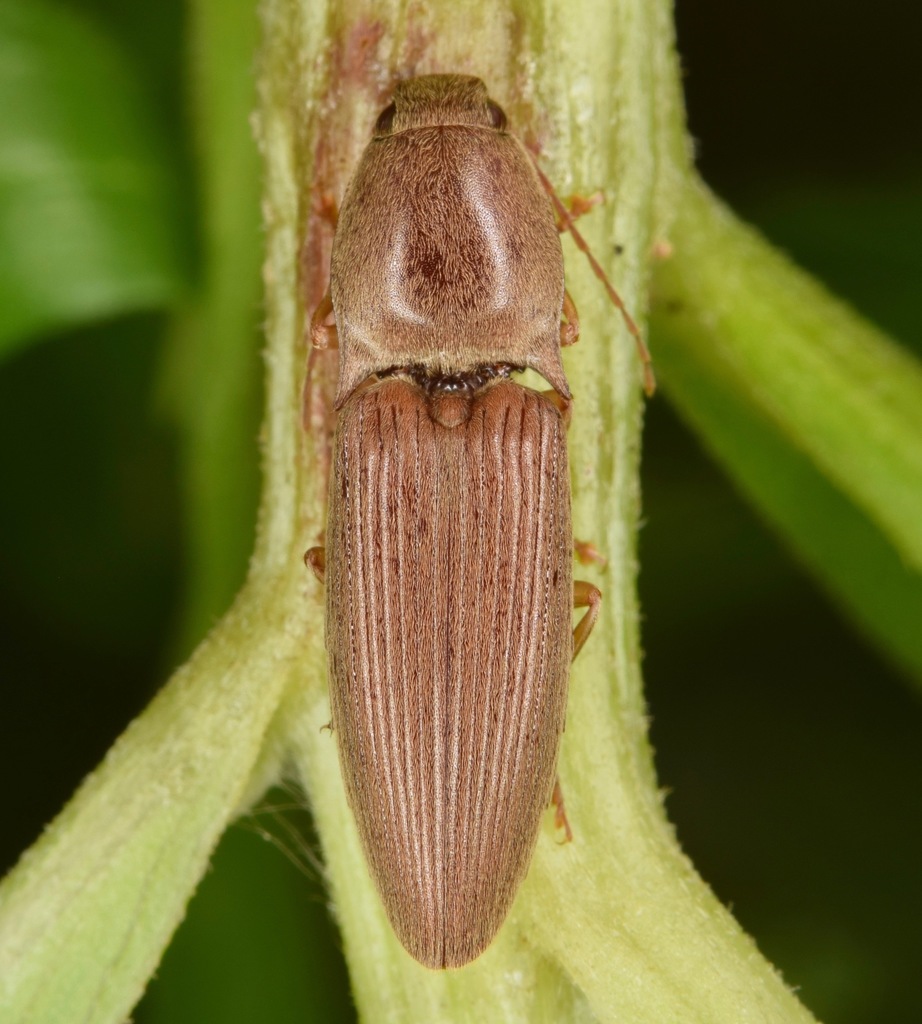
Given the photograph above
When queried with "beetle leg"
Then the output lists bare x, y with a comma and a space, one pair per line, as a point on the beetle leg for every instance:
569, 326
578, 205
563, 215
323, 335
328, 209
588, 553
587, 596
316, 560
560, 812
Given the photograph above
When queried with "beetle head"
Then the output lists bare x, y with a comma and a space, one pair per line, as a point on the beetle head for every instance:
439, 100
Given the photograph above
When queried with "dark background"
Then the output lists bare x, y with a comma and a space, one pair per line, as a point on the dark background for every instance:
789, 746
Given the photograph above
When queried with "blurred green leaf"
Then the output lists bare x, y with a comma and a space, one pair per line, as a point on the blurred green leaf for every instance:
88, 207
821, 427
842, 547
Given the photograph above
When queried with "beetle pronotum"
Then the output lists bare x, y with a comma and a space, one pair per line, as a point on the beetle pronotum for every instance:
448, 560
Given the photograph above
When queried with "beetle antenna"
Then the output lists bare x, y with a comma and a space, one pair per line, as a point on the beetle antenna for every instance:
649, 380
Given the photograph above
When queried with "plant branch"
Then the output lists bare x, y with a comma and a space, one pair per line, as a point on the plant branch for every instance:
614, 926
816, 414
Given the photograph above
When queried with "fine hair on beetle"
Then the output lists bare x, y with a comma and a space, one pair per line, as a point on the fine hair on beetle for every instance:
449, 547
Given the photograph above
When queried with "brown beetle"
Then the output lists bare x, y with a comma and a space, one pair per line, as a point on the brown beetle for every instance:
448, 561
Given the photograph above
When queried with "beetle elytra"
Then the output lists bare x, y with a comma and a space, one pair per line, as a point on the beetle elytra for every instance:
448, 560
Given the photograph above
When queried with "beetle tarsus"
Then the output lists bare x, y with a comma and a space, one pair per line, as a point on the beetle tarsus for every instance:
328, 209
323, 334
569, 326
588, 554
560, 813
588, 596
316, 560
577, 205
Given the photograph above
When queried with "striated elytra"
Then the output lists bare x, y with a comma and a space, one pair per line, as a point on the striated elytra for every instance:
448, 559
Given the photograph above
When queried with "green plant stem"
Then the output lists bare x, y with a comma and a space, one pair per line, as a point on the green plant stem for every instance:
87, 912
832, 383
212, 382
815, 413
613, 927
